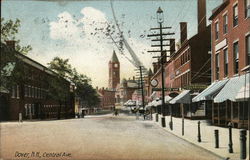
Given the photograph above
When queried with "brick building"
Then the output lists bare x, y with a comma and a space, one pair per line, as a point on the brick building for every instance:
125, 90
32, 96
107, 98
231, 59
188, 68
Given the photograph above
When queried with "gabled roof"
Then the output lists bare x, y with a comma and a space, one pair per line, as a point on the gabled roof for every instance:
114, 57
27, 60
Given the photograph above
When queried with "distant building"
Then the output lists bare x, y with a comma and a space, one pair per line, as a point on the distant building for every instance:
32, 97
107, 98
125, 90
114, 72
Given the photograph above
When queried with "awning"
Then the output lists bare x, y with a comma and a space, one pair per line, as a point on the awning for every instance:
139, 103
184, 98
243, 93
210, 91
130, 103
153, 95
167, 99
154, 102
232, 88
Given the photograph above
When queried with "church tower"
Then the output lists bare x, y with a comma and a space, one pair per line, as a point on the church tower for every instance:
114, 71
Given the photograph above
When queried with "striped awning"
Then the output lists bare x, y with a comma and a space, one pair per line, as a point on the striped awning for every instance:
232, 88
184, 98
210, 91
243, 94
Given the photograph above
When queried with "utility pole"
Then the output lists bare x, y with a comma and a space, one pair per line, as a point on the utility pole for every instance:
141, 86
163, 56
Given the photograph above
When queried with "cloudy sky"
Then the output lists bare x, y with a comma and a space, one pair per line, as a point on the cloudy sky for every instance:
76, 29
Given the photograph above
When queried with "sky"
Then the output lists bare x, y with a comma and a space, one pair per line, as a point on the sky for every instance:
76, 29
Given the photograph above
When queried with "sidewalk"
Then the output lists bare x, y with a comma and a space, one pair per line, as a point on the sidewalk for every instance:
207, 136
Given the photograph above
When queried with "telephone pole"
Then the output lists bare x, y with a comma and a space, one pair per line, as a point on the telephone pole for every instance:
141, 86
163, 56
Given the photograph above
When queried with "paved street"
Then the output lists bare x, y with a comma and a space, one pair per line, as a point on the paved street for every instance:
95, 137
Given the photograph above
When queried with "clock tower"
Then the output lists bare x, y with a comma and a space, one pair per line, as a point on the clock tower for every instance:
114, 71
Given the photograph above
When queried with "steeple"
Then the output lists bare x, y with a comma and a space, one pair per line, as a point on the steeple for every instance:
150, 73
114, 72
114, 57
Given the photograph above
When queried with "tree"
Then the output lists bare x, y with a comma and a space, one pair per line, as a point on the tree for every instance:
9, 29
83, 87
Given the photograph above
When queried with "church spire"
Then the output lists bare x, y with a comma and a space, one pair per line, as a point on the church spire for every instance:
114, 57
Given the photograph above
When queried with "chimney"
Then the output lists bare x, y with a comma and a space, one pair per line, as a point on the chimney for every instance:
172, 46
202, 20
11, 43
183, 28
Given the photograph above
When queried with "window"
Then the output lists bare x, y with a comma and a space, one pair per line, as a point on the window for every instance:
225, 62
217, 64
248, 50
25, 90
26, 110
225, 24
13, 93
235, 15
236, 57
247, 8
33, 109
29, 109
29, 95
17, 92
217, 30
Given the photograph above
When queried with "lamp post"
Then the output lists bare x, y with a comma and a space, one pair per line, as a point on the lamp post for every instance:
160, 20
162, 58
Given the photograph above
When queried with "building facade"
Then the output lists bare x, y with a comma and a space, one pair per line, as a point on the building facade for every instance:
231, 59
107, 98
31, 96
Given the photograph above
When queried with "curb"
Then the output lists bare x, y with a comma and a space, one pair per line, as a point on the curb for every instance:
219, 156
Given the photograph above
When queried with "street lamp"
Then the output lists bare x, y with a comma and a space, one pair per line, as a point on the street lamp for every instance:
160, 17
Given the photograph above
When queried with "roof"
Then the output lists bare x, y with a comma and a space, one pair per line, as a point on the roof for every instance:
150, 73
114, 57
218, 9
28, 60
